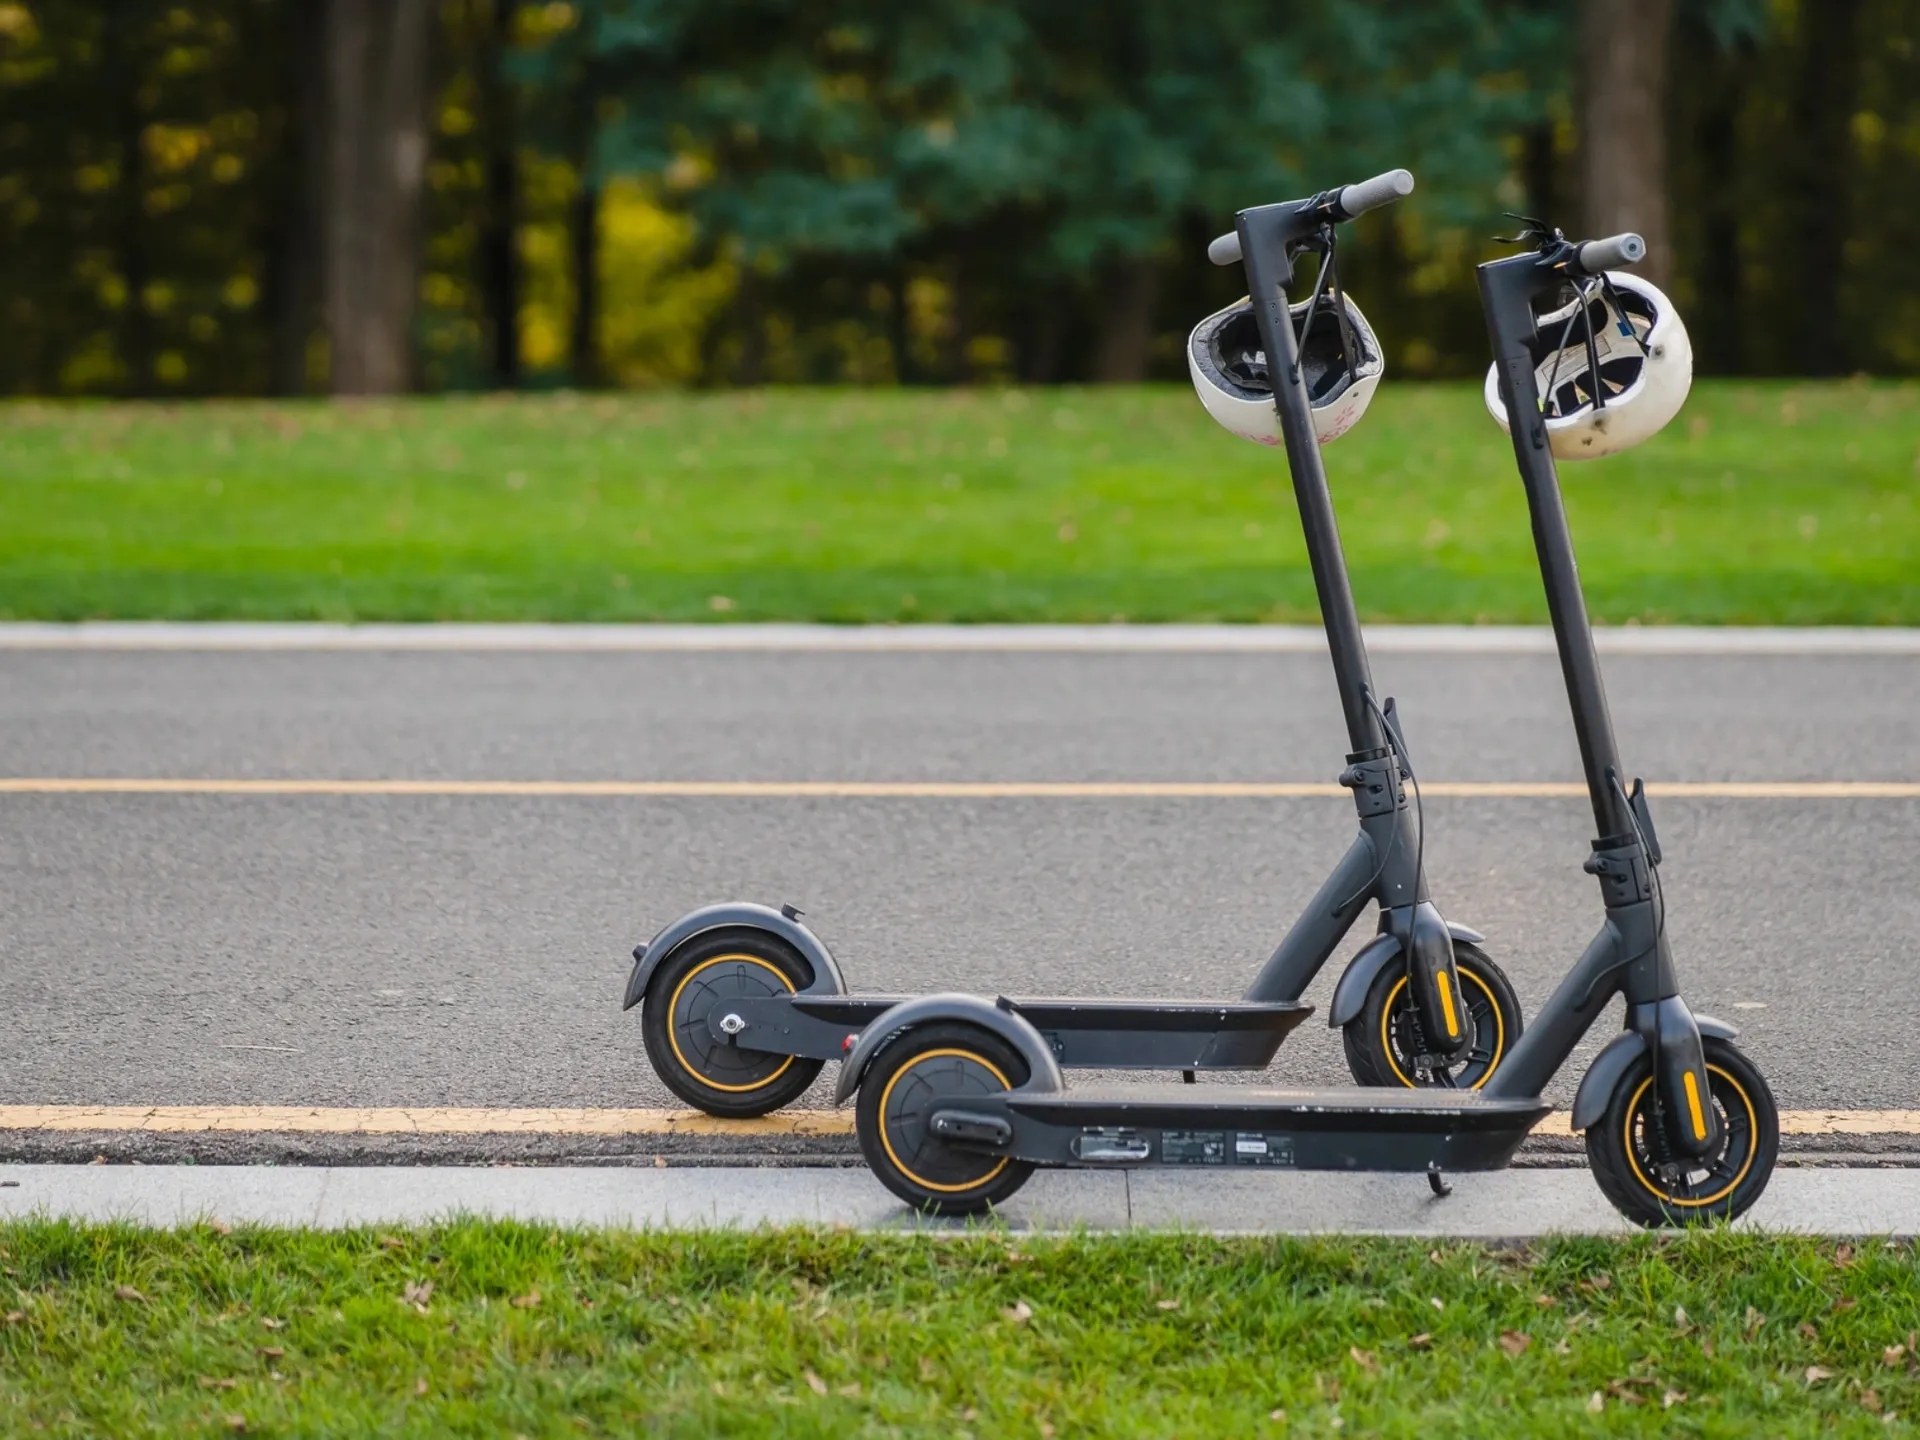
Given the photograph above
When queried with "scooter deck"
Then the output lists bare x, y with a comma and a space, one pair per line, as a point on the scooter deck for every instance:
1125, 1034
1333, 1129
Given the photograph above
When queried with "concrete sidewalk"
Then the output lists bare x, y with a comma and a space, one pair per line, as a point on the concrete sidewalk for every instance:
1510, 1205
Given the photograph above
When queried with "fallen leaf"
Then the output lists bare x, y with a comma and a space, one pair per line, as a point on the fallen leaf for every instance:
1893, 1353
969, 1414
1805, 1327
815, 1383
1019, 1312
1672, 1398
1545, 1302
1167, 1304
928, 1371
127, 1292
1563, 1348
1706, 1346
1870, 1401
525, 1302
1514, 1343
1279, 1417
270, 1352
1843, 1256
659, 1162
851, 1390
1420, 1341
236, 1423
208, 1382
1046, 1430
1365, 1359
1437, 1303
1817, 1373
1602, 1281
1680, 1316
392, 1242
417, 1295
1845, 1302
272, 1324
1434, 1256
1620, 1390
220, 1227
98, 1160
1754, 1321
1596, 1402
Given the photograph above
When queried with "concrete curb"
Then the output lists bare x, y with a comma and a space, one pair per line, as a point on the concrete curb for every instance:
1087, 639
1509, 1205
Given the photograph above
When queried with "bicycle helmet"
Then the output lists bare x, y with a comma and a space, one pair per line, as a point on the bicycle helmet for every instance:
1645, 363
1341, 371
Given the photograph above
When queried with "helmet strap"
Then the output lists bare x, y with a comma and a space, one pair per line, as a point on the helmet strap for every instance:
1328, 281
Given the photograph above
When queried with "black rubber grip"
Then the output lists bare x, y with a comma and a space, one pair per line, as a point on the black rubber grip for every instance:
1614, 253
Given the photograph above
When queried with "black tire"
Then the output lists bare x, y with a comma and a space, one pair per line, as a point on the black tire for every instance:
921, 1065
1626, 1149
718, 1078
1383, 1037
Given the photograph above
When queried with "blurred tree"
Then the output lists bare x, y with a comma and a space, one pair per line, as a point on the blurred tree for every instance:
1624, 46
375, 168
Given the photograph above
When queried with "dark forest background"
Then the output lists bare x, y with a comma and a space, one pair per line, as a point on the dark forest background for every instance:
369, 196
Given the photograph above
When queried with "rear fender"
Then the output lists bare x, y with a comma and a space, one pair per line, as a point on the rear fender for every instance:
1043, 1071
783, 923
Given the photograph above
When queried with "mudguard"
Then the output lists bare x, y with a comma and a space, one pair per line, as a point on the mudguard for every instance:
1378, 953
782, 923
1043, 1070
1596, 1086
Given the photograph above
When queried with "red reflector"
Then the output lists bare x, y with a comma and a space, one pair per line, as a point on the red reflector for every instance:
847, 1044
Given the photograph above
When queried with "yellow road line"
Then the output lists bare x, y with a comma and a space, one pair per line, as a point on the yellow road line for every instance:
443, 1120
939, 789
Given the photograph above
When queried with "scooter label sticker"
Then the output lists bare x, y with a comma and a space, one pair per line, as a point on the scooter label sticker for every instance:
1193, 1147
1253, 1148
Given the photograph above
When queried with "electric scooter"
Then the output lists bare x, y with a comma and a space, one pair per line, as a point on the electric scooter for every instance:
742, 1003
960, 1098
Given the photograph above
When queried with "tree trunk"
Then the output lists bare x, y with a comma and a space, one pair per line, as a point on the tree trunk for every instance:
1719, 339
499, 254
1127, 303
1623, 133
583, 244
376, 154
1540, 172
293, 242
1819, 169
959, 345
121, 34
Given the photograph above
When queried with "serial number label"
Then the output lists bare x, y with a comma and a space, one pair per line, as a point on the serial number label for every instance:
1252, 1147
1193, 1147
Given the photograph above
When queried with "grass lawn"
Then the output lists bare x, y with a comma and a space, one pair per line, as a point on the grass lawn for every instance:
1768, 502
490, 1329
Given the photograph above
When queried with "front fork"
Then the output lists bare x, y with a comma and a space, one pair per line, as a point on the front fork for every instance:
1625, 867
1380, 797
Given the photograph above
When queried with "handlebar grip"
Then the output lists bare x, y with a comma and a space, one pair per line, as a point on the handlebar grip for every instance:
1225, 249
1613, 253
1372, 194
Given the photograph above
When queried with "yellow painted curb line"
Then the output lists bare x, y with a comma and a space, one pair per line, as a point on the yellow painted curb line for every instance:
938, 790
444, 1120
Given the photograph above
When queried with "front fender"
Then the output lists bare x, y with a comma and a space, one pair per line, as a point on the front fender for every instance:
1596, 1086
782, 923
1043, 1071
1350, 995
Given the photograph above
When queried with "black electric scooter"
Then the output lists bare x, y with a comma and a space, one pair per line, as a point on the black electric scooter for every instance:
960, 1098
742, 1003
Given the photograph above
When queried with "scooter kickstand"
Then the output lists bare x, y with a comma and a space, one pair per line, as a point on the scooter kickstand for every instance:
1438, 1182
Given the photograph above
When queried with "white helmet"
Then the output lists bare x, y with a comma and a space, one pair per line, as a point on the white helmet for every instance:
1646, 368
1229, 368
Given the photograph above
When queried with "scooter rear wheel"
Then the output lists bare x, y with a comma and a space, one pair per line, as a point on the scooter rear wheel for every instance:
916, 1072
1635, 1170
1383, 1041
694, 982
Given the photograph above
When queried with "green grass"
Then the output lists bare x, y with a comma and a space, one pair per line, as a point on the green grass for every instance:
113, 1330
1764, 502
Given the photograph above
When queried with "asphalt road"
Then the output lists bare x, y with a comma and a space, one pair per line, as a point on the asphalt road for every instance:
471, 951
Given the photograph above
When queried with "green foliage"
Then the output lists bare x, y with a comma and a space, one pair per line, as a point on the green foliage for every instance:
1765, 503
488, 1328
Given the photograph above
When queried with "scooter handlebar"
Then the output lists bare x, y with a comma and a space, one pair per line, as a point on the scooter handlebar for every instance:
1348, 202
1614, 253
1372, 194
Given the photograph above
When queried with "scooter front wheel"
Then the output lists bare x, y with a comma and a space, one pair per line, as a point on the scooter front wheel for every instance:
917, 1072
693, 984
1637, 1172
1384, 1041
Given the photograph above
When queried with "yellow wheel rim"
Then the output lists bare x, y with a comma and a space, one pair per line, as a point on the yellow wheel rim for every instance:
1499, 1029
673, 1028
887, 1095
1753, 1129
